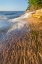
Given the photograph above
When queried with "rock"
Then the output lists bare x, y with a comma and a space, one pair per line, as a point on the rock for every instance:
37, 14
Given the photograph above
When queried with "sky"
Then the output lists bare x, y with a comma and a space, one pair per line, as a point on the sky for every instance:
13, 5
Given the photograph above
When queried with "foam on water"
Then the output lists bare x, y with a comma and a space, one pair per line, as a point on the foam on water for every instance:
19, 23
8, 25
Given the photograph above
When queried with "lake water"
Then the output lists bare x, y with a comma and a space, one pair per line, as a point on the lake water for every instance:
7, 21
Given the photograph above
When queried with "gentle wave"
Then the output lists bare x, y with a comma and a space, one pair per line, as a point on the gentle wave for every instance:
3, 17
10, 22
19, 23
13, 13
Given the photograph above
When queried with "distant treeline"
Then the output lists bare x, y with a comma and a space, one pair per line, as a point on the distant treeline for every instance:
34, 4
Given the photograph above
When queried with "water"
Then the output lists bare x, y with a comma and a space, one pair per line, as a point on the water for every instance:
9, 21
10, 14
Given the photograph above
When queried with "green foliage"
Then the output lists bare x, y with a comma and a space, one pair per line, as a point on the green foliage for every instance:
35, 3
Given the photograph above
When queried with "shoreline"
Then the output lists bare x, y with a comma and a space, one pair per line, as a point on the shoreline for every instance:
27, 20
20, 22
23, 44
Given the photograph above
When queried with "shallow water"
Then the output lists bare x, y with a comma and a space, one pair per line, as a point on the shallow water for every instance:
10, 21
5, 25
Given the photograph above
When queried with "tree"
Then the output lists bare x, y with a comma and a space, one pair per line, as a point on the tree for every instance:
35, 3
